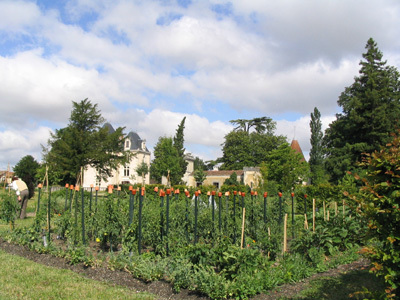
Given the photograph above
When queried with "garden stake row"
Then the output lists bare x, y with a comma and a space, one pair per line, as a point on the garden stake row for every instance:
292, 194
71, 187
140, 221
280, 208
91, 198
167, 220
49, 216
131, 205
83, 218
265, 208
219, 212
196, 211
38, 203
187, 216
234, 216
66, 196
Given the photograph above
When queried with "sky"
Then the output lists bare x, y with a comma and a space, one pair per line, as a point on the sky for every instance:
147, 64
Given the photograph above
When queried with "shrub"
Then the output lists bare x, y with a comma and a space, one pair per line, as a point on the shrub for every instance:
380, 204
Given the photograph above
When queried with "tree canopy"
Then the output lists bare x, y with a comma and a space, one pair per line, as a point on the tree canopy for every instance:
166, 161
285, 167
243, 148
370, 112
85, 142
27, 169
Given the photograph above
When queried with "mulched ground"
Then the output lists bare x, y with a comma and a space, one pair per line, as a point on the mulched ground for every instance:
162, 289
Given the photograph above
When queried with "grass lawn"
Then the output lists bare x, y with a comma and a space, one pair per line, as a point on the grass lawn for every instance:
23, 279
358, 284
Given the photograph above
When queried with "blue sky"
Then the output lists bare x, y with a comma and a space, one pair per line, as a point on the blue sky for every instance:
149, 63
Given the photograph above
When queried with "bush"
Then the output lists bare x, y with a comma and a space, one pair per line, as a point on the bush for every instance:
379, 203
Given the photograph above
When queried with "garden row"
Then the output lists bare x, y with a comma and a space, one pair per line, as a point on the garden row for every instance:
222, 245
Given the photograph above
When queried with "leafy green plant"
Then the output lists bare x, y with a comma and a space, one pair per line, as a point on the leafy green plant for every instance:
8, 209
379, 203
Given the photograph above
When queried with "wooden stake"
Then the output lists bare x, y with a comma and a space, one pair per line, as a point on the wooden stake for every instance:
285, 234
305, 222
324, 211
313, 215
336, 211
243, 218
328, 215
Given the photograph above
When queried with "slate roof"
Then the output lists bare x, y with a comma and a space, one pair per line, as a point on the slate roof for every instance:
134, 138
136, 141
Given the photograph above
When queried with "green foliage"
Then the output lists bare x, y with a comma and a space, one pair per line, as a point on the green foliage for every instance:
166, 161
370, 107
316, 161
232, 180
8, 209
179, 145
84, 143
379, 200
199, 176
245, 148
26, 169
286, 167
338, 234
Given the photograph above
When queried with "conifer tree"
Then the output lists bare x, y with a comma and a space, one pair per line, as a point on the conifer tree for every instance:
370, 112
316, 152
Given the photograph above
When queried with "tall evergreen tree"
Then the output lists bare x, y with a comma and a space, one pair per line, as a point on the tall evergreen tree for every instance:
85, 142
179, 145
316, 153
370, 112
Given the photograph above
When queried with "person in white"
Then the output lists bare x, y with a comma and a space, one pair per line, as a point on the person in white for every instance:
22, 192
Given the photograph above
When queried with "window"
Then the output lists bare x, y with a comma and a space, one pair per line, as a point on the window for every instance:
126, 171
127, 144
216, 184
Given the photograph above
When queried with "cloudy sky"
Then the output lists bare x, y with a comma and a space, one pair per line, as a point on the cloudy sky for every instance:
150, 63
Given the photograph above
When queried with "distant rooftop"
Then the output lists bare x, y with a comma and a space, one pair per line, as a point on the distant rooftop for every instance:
296, 147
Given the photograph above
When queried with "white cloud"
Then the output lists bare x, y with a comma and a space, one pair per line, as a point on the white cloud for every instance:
275, 58
15, 144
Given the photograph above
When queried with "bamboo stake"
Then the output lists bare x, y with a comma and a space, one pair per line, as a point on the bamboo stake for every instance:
313, 215
243, 218
285, 234
324, 211
305, 222
328, 215
336, 210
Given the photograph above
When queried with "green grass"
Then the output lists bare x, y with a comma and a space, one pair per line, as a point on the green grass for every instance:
358, 284
23, 279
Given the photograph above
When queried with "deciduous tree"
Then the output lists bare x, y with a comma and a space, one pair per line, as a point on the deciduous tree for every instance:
26, 169
166, 161
245, 148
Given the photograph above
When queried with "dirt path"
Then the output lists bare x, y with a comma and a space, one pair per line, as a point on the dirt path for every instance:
161, 289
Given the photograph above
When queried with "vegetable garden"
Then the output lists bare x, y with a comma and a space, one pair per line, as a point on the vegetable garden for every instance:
223, 245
